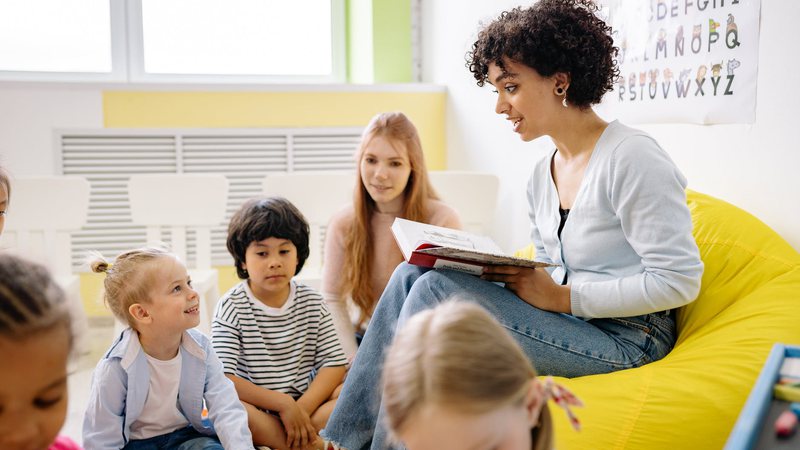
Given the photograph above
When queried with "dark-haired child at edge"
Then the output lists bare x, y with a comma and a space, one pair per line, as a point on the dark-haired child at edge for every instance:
36, 341
607, 205
274, 336
35, 345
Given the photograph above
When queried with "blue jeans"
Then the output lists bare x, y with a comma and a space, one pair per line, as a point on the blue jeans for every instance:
558, 344
184, 439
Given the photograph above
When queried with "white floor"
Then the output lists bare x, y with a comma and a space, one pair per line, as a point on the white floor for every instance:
100, 336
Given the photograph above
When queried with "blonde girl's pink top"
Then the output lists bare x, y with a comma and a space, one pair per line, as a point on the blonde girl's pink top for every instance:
64, 443
386, 256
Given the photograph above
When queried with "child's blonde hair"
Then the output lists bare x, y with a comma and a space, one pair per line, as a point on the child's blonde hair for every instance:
5, 180
459, 356
30, 300
127, 281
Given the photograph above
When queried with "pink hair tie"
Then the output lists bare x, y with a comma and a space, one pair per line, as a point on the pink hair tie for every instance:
565, 399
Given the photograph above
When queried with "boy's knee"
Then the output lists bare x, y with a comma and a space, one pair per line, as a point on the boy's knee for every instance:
252, 411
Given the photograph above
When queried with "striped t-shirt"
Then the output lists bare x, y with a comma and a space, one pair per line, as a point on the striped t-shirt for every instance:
276, 348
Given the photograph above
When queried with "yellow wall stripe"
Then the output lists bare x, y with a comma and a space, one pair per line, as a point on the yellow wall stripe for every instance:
136, 109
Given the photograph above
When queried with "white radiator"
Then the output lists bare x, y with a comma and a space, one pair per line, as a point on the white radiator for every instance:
107, 158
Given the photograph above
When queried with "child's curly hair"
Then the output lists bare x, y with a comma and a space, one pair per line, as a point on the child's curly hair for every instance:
552, 36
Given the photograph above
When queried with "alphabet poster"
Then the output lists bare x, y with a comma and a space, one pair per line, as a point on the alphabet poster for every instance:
689, 61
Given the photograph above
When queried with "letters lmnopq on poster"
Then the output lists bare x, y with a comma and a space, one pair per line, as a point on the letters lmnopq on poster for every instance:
689, 61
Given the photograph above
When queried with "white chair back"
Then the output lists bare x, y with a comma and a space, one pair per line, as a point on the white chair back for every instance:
179, 202
318, 195
472, 194
42, 212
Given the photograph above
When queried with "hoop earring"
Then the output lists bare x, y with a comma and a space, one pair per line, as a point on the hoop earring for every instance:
564, 102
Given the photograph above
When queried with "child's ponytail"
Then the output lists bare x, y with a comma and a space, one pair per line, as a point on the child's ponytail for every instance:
98, 264
127, 280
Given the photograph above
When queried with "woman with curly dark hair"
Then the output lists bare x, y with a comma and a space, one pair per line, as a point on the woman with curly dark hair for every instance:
607, 208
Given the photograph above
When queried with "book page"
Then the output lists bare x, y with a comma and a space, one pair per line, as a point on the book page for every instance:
487, 259
447, 239
411, 235
471, 269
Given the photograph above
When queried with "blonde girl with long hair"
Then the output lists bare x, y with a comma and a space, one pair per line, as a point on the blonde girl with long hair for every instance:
453, 377
360, 252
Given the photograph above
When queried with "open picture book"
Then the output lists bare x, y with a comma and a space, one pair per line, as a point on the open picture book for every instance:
439, 247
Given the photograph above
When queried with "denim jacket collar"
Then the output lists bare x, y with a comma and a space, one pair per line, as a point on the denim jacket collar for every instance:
128, 347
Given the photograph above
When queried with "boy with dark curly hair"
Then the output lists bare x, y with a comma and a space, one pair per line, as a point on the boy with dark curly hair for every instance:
274, 336
607, 208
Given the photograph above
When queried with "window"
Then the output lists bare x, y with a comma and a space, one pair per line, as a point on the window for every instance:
73, 40
206, 41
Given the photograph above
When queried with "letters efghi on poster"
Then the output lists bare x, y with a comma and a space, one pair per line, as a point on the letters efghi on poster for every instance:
685, 61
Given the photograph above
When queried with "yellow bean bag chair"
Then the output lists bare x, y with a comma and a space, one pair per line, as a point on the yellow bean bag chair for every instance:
749, 300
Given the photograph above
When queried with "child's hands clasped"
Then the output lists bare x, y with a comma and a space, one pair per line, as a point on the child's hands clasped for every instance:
297, 423
534, 286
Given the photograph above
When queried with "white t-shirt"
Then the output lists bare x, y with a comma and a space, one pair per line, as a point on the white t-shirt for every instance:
161, 414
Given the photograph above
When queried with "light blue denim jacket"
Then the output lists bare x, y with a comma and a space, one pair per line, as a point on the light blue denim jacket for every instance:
121, 381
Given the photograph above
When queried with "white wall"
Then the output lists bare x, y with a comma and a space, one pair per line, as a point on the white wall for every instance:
753, 166
756, 167
360, 35
28, 116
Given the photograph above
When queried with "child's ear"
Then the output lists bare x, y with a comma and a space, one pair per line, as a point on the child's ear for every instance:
534, 401
139, 313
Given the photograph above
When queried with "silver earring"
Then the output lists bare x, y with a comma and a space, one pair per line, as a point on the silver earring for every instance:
561, 92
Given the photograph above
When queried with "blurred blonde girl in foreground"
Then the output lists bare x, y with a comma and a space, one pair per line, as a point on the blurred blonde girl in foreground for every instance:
454, 379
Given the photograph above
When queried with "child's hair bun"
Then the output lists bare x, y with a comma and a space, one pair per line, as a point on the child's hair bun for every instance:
99, 265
